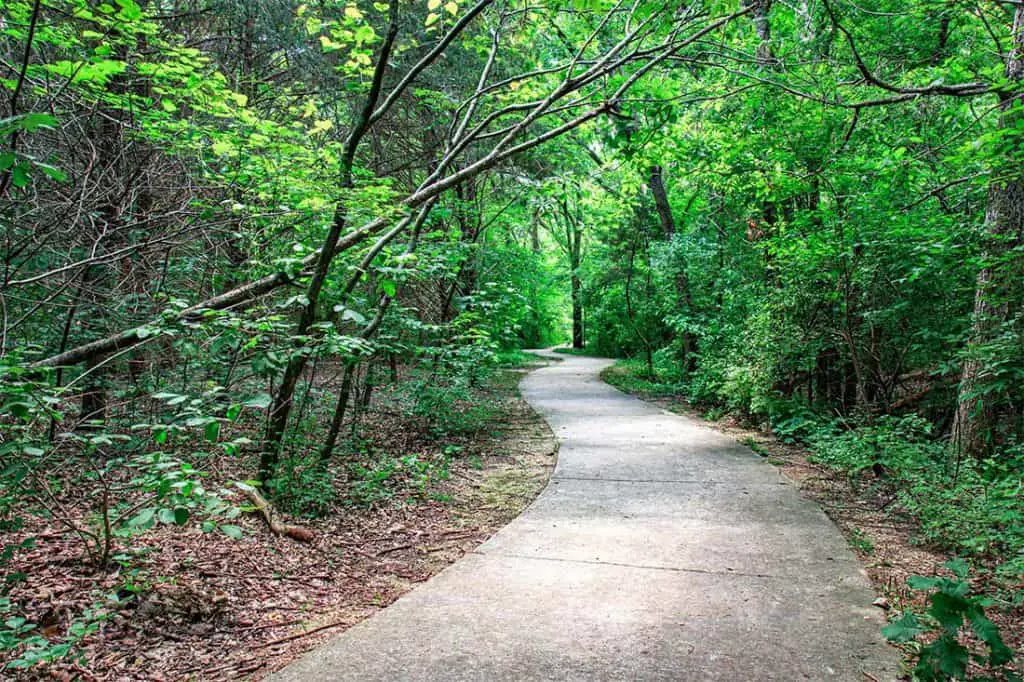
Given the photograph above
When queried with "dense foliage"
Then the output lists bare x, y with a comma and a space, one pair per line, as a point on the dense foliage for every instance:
808, 213
845, 261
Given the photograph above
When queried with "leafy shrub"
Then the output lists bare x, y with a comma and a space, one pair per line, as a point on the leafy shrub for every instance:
970, 507
900, 444
26, 647
450, 408
302, 486
951, 608
392, 476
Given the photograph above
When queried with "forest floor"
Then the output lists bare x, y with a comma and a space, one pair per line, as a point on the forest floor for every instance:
202, 606
881, 536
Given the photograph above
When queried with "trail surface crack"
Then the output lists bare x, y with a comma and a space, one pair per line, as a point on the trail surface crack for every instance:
684, 481
646, 567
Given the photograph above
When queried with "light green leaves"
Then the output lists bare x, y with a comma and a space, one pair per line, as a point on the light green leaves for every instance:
232, 531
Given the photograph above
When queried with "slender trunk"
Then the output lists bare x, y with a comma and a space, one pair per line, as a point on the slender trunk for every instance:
657, 185
577, 312
366, 333
281, 408
339, 412
577, 288
534, 336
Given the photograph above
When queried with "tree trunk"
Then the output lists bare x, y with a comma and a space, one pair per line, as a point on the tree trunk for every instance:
282, 404
657, 185
688, 357
575, 248
997, 294
339, 413
764, 54
577, 312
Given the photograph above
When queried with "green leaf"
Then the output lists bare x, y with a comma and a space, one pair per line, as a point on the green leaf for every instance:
389, 287
354, 316
260, 402
129, 10
52, 172
19, 176
231, 531
144, 519
949, 610
959, 567
989, 633
211, 431
919, 582
903, 630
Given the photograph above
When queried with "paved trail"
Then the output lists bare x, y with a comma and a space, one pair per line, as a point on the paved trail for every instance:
661, 550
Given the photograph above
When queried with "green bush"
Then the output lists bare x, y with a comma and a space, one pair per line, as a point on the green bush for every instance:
951, 608
388, 477
304, 487
970, 507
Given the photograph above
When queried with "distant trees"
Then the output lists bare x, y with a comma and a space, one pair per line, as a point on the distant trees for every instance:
843, 209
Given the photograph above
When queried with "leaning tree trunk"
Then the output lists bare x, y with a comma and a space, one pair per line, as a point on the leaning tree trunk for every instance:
281, 407
997, 294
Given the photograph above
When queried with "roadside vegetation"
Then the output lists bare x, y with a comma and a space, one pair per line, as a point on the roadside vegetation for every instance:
944, 549
260, 261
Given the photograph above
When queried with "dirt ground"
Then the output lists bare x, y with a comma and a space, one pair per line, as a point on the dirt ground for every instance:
201, 606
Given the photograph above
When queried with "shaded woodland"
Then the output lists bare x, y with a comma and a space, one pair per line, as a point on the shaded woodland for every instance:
807, 214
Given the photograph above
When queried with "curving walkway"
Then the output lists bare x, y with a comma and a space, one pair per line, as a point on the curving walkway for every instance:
661, 550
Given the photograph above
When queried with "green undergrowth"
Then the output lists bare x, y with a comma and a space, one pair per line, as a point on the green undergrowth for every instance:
581, 352
402, 448
631, 376
515, 359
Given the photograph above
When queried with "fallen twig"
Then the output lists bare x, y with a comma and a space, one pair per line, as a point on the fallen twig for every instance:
268, 626
388, 550
299, 635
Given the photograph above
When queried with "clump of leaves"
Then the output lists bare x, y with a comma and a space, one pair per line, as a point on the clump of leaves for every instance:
304, 487
951, 608
410, 475
24, 645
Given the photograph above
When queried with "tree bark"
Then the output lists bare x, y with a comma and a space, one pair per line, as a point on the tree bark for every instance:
574, 241
764, 54
682, 284
282, 404
997, 293
657, 185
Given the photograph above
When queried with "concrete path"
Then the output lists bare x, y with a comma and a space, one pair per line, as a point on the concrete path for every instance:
661, 550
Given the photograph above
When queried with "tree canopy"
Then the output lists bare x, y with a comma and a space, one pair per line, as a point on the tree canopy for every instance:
809, 214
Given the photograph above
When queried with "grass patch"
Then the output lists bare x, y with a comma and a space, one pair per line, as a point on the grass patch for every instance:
631, 376
581, 352
513, 359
